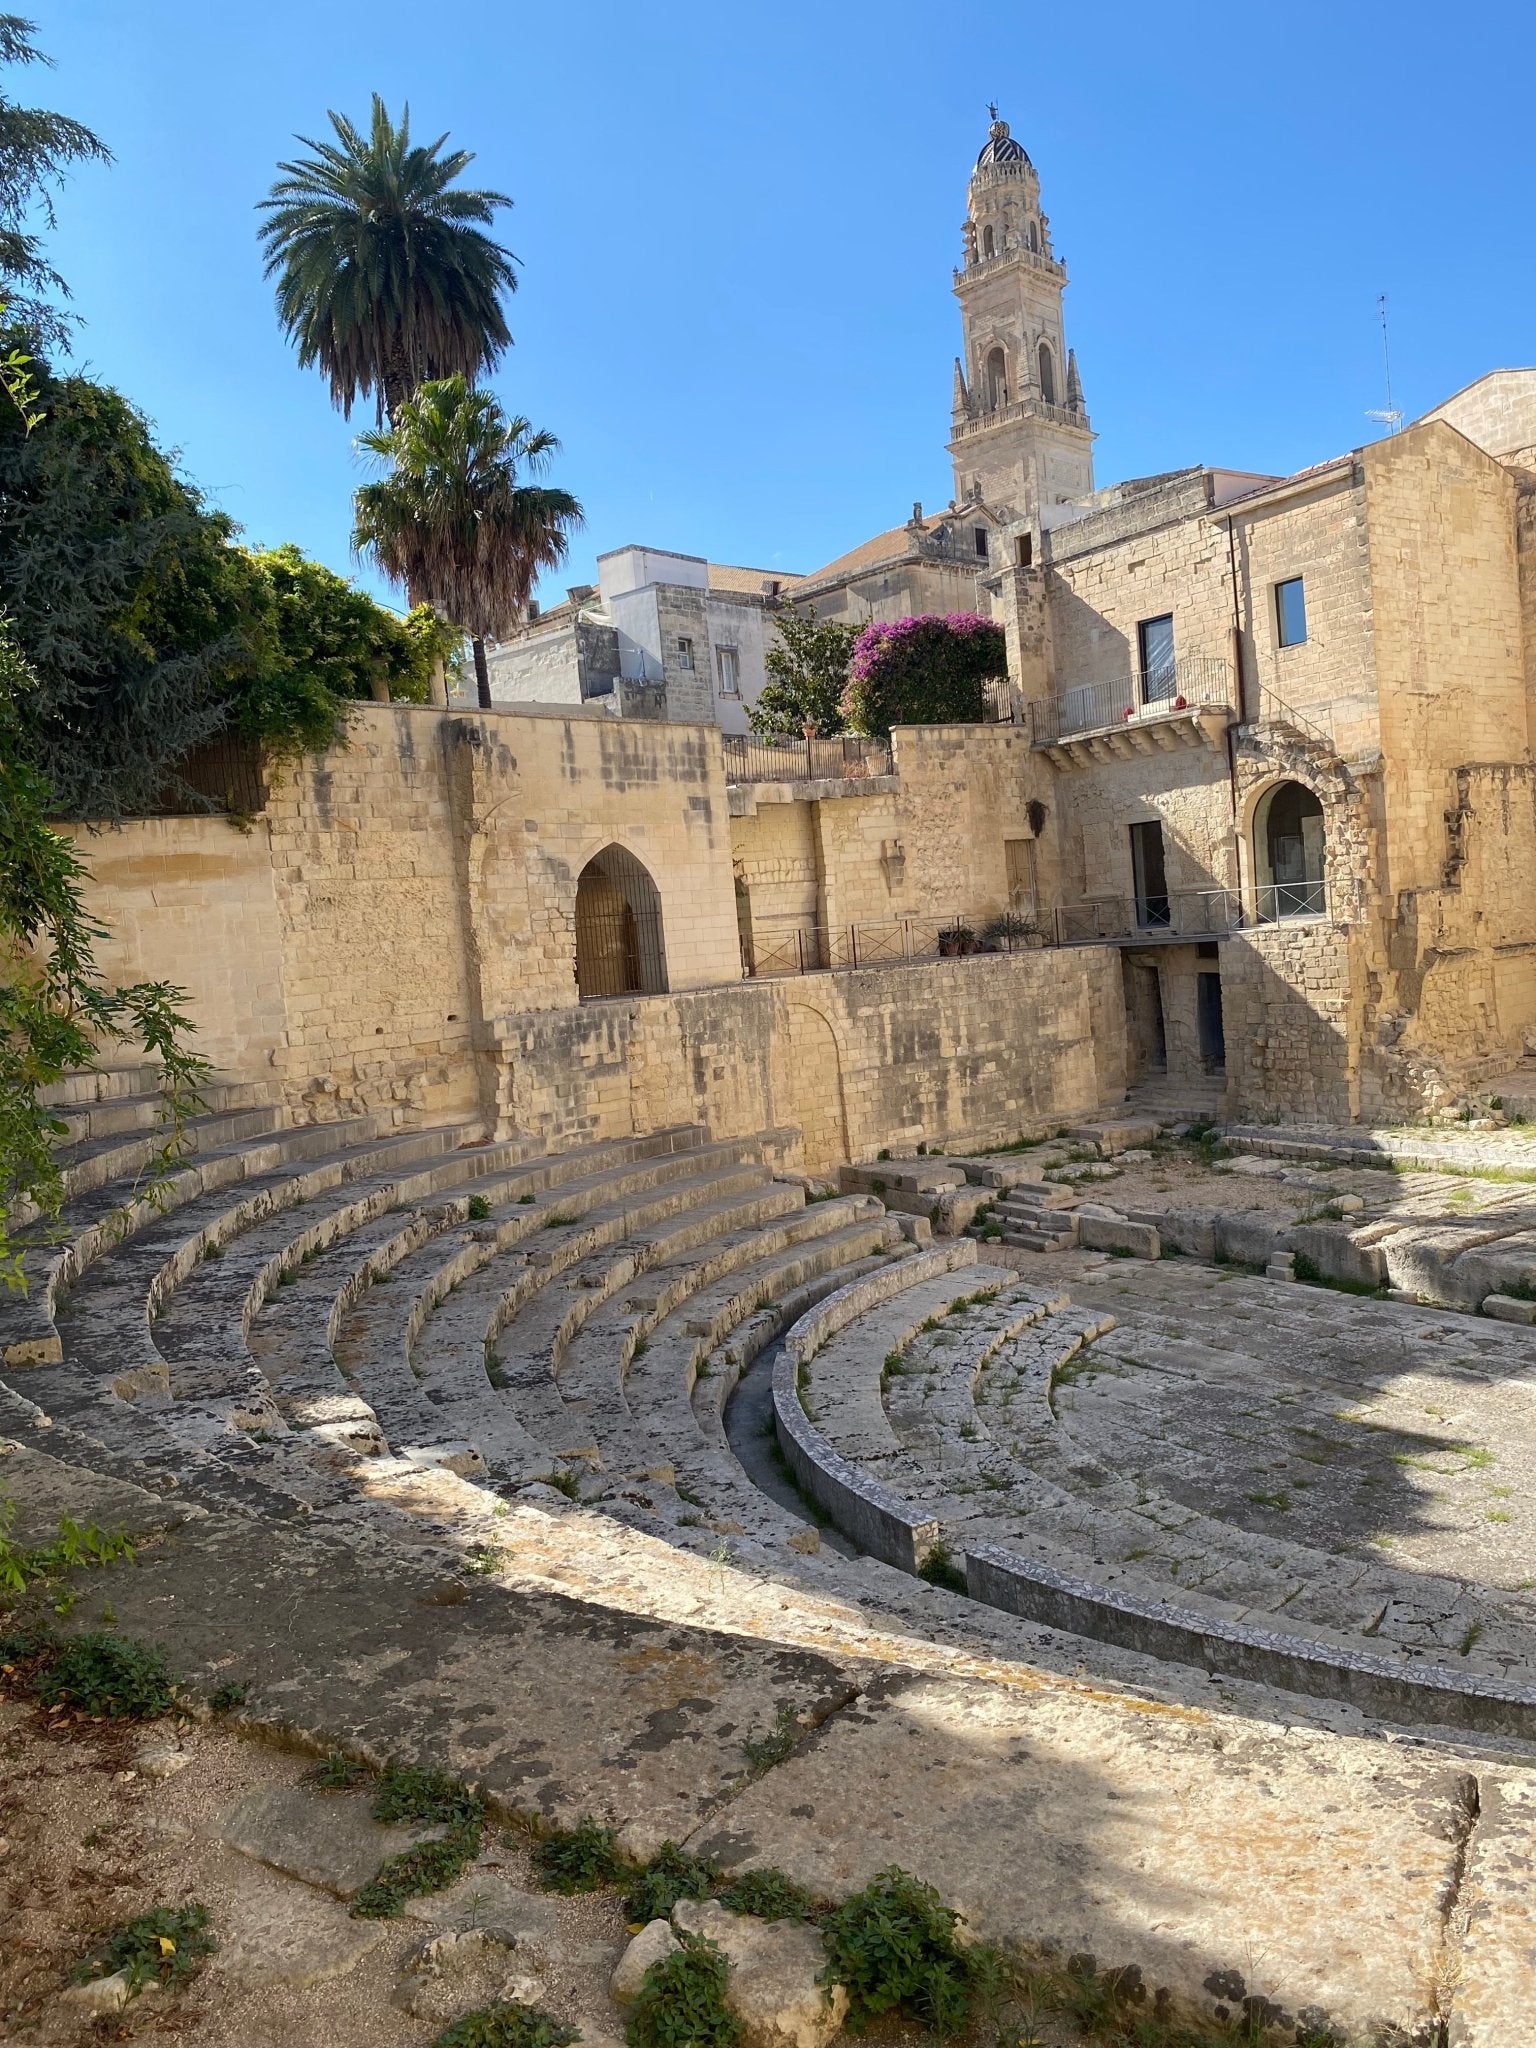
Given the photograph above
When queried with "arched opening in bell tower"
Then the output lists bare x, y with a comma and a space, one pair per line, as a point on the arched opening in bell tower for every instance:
1034, 238
997, 380
988, 242
1047, 374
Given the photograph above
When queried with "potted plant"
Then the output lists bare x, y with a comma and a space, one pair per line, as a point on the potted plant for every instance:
956, 940
1014, 931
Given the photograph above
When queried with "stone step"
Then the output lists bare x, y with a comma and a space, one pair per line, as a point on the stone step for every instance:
110, 1217
119, 1115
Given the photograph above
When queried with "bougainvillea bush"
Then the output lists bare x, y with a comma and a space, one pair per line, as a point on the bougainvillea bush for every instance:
924, 671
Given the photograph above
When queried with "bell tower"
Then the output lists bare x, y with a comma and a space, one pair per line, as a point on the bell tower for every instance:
1021, 438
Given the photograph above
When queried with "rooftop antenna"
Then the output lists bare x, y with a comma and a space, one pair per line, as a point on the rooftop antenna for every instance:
1387, 415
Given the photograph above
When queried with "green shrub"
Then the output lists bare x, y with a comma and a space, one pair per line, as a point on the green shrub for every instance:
893, 1947
105, 1674
165, 1944
415, 1795
769, 1895
506, 2025
939, 1568
682, 2001
579, 1859
225, 1698
762, 1752
479, 1208
671, 1874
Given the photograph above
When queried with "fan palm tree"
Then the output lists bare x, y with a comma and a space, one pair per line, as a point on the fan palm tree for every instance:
453, 521
384, 275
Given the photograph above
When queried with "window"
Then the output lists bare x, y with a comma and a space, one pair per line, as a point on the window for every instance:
988, 244
997, 380
1149, 873
1034, 237
728, 662
981, 544
1159, 671
1289, 845
684, 651
1047, 376
1291, 611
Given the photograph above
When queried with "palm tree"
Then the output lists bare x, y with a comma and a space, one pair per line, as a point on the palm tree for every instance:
384, 277
452, 521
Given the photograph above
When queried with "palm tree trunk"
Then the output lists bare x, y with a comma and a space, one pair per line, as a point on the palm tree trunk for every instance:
482, 675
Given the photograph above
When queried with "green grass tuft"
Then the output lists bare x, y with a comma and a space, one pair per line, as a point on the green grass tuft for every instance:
579, 1859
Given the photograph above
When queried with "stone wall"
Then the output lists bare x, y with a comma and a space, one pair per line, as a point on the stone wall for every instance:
929, 843
192, 901
969, 1052
1291, 998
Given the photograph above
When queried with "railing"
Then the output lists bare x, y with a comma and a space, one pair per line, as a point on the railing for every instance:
844, 758
813, 949
1001, 699
1273, 710
1193, 682
1184, 914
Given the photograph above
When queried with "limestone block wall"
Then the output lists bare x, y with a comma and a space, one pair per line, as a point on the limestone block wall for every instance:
966, 1051
933, 845
1445, 599
191, 901
1189, 791
1291, 998
402, 889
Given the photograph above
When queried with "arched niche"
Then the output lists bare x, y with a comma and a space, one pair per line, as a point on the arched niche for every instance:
1289, 853
620, 945
997, 379
1047, 374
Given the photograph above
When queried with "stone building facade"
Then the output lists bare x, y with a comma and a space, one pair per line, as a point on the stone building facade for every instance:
1259, 808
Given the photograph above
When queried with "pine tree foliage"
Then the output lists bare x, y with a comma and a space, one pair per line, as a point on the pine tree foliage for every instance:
37, 150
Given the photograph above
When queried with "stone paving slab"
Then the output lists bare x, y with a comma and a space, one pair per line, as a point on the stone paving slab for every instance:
1492, 1988
1311, 1869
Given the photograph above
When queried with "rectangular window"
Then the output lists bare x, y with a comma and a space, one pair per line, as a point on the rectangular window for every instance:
684, 651
1150, 875
1159, 675
1291, 611
728, 661
981, 544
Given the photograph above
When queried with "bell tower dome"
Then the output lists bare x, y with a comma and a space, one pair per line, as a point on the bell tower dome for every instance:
1021, 438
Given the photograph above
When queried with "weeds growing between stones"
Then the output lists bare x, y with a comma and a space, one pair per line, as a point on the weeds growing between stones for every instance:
166, 1946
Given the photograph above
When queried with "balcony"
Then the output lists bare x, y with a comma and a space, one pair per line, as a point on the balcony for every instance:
1187, 914
1187, 703
844, 758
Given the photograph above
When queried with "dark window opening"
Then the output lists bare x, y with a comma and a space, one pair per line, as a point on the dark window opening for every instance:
981, 543
1291, 611
1213, 1035
1047, 376
1154, 642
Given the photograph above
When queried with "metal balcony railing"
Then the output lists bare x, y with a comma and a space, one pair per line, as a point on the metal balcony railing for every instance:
815, 949
1191, 683
846, 757
1185, 914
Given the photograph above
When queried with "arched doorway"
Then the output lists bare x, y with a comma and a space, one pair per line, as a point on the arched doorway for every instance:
1289, 852
816, 1088
620, 948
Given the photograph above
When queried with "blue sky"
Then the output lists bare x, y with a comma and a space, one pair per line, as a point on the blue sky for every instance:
737, 226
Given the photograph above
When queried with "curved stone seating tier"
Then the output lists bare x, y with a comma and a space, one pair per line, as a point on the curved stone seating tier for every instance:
1051, 1532
54, 1257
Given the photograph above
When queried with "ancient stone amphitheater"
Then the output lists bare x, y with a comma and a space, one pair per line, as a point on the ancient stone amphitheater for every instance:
580, 1471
